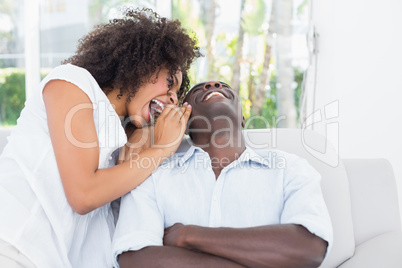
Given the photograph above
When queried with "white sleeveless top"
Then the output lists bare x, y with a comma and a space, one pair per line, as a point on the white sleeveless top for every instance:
35, 216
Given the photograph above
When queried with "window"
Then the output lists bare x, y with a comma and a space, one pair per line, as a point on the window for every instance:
256, 46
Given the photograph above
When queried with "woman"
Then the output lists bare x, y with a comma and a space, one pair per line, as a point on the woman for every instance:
57, 173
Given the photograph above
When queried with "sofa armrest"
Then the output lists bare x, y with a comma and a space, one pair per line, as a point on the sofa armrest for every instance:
381, 251
374, 198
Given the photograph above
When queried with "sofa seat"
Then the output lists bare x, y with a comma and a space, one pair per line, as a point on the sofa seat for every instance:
381, 251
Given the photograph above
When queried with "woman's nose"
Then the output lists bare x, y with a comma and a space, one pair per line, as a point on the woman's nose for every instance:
172, 98
212, 84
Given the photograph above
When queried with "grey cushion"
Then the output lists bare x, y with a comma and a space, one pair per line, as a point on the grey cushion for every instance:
4, 132
381, 251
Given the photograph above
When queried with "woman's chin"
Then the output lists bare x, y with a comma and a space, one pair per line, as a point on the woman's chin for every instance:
139, 123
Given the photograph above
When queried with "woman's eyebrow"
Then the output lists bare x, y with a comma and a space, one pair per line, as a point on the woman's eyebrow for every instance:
176, 80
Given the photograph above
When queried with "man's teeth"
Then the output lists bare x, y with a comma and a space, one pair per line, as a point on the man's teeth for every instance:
213, 94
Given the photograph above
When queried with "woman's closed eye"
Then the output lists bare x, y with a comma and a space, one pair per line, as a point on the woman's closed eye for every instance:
170, 81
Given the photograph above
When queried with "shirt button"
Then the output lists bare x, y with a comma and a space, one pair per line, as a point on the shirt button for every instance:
110, 158
215, 198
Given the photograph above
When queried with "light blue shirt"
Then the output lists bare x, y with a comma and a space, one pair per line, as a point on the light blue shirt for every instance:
268, 187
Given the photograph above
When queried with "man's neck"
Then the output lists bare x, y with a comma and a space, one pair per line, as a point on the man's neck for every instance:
223, 148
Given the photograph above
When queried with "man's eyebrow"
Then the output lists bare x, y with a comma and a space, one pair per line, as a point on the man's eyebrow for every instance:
197, 85
203, 83
223, 83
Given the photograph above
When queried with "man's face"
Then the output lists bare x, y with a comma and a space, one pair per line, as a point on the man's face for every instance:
212, 103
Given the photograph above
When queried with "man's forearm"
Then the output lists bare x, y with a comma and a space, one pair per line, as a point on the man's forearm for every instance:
175, 257
266, 246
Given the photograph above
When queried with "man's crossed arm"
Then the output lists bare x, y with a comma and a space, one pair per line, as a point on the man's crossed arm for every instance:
283, 245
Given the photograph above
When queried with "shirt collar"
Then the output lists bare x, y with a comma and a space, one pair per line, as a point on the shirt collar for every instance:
249, 155
190, 152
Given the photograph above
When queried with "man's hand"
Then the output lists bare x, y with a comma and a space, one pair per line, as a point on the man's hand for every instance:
175, 236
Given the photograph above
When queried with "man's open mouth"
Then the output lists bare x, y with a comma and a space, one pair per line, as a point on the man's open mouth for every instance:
212, 94
155, 108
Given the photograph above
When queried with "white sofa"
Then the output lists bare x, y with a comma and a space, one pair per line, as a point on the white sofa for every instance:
360, 194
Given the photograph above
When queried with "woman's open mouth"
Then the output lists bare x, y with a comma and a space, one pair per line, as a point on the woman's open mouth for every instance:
155, 109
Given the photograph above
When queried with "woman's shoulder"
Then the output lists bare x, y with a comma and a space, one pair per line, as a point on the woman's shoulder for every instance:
78, 76
70, 72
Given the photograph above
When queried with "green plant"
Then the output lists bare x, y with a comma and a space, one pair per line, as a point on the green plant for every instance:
12, 95
268, 116
298, 77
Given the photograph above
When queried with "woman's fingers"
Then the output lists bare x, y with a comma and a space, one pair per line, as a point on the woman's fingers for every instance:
187, 112
172, 111
167, 111
170, 127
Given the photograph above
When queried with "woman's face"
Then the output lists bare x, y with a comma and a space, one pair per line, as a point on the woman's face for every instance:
152, 97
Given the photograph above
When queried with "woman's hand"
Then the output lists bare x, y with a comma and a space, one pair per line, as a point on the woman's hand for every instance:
138, 141
170, 127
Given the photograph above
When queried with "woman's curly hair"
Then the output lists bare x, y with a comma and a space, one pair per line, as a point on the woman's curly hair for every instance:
126, 52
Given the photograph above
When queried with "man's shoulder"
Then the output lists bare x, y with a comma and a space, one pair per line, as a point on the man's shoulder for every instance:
171, 164
173, 160
274, 153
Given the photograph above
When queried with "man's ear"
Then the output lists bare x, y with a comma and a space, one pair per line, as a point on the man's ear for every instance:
243, 122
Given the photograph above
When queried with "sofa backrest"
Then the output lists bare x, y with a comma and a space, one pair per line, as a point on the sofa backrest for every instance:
4, 133
374, 197
316, 150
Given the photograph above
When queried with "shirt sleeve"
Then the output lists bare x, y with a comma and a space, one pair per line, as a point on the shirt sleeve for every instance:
303, 200
140, 222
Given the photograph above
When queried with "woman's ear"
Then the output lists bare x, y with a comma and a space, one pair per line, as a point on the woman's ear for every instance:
243, 122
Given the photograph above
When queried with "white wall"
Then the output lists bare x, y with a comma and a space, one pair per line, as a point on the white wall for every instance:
74, 12
360, 64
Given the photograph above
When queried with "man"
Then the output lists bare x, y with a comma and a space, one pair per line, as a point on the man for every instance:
220, 204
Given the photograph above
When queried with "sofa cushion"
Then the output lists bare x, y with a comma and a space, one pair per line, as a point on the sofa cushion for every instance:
381, 251
4, 133
374, 198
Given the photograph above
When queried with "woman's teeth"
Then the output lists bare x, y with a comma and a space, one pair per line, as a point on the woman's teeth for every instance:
156, 107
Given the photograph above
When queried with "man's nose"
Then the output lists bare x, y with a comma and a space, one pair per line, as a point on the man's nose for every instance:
172, 98
211, 85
